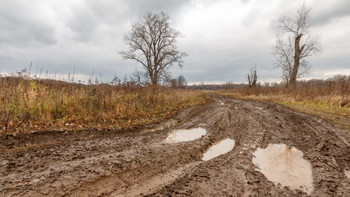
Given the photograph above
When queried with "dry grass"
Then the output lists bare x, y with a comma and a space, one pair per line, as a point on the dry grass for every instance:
329, 99
28, 105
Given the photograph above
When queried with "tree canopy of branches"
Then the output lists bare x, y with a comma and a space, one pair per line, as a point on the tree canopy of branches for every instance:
295, 45
252, 77
152, 43
179, 82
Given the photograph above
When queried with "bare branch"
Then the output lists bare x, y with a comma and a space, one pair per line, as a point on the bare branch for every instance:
295, 45
252, 77
153, 44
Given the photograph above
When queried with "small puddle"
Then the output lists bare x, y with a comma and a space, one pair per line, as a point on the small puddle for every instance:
220, 148
284, 165
184, 135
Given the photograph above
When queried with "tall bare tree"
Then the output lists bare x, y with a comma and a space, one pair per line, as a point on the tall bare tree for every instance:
152, 43
295, 45
252, 77
181, 81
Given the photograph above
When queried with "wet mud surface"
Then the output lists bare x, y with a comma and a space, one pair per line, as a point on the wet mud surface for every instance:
111, 163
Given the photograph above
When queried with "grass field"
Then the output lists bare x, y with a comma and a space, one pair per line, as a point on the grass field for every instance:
36, 105
330, 100
29, 105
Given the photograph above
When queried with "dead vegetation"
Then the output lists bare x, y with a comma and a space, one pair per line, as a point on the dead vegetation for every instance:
295, 45
252, 77
329, 97
34, 105
153, 44
333, 91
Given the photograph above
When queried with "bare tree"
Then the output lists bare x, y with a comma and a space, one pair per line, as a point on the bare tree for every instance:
181, 81
173, 83
294, 45
152, 43
252, 77
140, 77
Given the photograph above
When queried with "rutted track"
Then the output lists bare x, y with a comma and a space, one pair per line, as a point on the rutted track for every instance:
129, 164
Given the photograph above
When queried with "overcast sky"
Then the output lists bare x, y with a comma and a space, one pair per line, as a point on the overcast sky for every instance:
223, 38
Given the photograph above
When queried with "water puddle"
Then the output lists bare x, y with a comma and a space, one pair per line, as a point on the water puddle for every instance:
347, 173
184, 135
220, 148
285, 165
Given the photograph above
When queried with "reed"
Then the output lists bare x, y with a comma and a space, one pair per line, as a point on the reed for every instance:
34, 105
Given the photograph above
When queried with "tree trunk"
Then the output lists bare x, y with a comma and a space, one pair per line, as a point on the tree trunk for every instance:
255, 79
294, 74
249, 81
155, 78
152, 77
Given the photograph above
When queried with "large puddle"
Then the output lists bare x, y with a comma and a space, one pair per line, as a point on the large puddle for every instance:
284, 165
184, 135
220, 148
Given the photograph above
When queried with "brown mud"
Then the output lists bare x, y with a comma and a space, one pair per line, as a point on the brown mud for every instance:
113, 163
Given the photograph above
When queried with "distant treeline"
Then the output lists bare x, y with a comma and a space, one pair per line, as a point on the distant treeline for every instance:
341, 81
203, 86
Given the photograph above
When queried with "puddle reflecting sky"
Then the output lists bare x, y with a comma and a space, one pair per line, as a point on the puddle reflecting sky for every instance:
220, 148
184, 135
284, 165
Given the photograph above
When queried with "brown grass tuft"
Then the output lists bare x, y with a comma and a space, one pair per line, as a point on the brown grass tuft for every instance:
28, 105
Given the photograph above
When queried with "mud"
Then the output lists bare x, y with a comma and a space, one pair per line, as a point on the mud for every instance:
347, 173
116, 163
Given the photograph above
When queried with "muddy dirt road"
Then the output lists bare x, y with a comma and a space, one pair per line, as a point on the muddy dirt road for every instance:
111, 163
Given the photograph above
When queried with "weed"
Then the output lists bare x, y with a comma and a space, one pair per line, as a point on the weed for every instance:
117, 165
33, 104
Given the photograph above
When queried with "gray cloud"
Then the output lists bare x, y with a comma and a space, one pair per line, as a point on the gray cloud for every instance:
90, 17
83, 24
223, 38
20, 27
330, 12
169, 6
95, 17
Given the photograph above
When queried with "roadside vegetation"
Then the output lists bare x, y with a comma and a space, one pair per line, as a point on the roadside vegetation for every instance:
31, 105
328, 98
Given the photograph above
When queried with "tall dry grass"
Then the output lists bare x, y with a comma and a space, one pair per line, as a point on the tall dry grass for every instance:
28, 105
331, 96
334, 91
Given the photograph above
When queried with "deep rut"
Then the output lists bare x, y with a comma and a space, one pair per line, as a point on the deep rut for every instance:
132, 164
